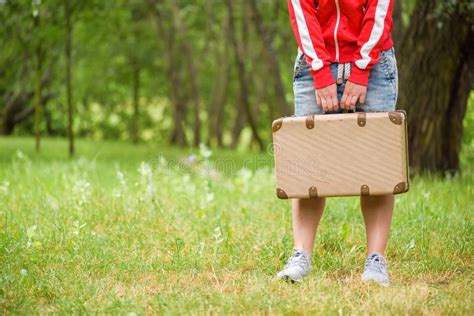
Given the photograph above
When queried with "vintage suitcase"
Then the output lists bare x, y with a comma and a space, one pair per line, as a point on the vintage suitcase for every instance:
341, 154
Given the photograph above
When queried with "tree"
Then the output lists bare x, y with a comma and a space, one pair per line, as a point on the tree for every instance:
67, 55
436, 76
136, 64
38, 70
193, 77
29, 42
167, 37
271, 57
242, 76
398, 27
71, 9
220, 90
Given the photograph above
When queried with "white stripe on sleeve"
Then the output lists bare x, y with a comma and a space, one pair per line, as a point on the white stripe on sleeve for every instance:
306, 42
375, 35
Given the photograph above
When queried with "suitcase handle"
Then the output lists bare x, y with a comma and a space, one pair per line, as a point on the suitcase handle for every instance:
348, 111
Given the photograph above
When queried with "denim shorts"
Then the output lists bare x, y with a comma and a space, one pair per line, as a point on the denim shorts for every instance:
382, 91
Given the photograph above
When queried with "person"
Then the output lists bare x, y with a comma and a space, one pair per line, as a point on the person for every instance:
345, 61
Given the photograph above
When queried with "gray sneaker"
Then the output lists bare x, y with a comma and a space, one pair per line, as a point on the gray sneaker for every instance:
376, 269
297, 268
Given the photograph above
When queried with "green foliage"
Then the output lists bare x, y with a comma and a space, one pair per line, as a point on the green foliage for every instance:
113, 38
20, 36
407, 7
110, 38
460, 8
146, 229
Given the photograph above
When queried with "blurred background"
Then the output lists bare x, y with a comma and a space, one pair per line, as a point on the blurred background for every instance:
212, 72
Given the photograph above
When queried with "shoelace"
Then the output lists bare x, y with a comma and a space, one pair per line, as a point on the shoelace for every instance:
375, 262
298, 258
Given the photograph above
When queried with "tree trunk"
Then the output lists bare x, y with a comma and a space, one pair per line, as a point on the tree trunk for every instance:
242, 76
193, 72
136, 103
67, 54
240, 115
219, 95
48, 122
177, 136
461, 88
239, 124
270, 58
436, 76
398, 29
15, 110
37, 97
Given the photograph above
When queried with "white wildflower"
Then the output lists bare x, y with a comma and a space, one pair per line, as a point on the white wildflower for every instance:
145, 170
147, 180
217, 235
201, 248
76, 228
210, 197
4, 187
21, 160
162, 165
204, 151
20, 156
52, 202
244, 174
30, 233
82, 189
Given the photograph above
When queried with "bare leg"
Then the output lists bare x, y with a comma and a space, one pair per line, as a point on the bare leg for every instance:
306, 214
377, 212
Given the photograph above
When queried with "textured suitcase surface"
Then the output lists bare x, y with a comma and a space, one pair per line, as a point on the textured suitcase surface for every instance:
341, 154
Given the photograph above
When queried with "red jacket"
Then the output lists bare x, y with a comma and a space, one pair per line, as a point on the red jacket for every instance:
341, 31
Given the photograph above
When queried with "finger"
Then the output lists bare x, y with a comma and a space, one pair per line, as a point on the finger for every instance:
353, 102
334, 101
318, 99
346, 98
343, 100
362, 98
329, 102
324, 104
319, 102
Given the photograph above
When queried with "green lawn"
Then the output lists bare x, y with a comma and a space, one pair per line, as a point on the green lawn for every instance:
125, 229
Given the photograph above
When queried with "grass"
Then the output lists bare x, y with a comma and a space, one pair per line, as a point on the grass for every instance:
125, 229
